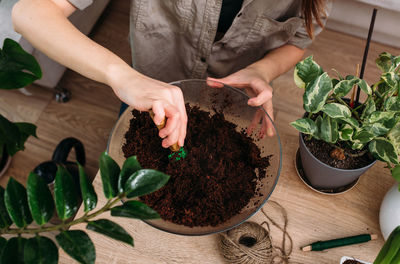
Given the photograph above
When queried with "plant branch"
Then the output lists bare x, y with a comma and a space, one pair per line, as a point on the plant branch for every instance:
85, 218
340, 100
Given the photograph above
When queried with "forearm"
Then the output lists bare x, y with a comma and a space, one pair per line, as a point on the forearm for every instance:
46, 27
278, 61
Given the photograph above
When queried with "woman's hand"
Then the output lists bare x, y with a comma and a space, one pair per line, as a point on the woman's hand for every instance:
144, 93
258, 88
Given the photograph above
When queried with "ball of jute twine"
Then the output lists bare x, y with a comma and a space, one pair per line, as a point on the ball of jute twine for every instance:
251, 243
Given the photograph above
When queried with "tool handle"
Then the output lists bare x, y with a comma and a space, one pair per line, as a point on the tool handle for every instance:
321, 245
175, 147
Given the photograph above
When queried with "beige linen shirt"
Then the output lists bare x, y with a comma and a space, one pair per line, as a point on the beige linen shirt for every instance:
174, 39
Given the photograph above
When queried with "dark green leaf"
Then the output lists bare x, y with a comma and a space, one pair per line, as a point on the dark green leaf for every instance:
89, 196
17, 67
131, 165
364, 136
392, 103
65, 194
145, 181
351, 121
109, 171
78, 245
9, 131
369, 108
343, 87
387, 62
13, 251
396, 173
40, 199
346, 132
5, 220
17, 203
3, 243
27, 129
110, 229
40, 250
305, 126
306, 71
384, 150
316, 93
134, 209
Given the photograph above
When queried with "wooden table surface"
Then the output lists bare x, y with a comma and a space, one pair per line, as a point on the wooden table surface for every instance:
312, 216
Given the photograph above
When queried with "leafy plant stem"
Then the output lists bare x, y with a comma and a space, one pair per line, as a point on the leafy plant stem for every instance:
351, 109
65, 225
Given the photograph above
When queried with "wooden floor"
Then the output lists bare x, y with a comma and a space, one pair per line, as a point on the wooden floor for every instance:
93, 109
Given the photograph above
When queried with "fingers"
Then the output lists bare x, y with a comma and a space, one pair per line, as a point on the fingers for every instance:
170, 133
159, 113
264, 91
268, 123
256, 120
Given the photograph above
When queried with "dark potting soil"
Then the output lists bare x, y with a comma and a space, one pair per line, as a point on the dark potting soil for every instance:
215, 180
351, 261
322, 151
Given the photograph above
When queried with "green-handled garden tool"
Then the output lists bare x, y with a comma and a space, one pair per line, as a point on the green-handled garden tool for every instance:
178, 153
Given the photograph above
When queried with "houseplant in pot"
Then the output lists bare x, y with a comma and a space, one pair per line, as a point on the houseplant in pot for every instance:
17, 69
339, 140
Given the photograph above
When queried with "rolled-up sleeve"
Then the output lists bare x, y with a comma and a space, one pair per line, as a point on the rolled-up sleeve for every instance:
81, 4
301, 38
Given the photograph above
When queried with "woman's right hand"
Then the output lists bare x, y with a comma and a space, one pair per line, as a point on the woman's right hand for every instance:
144, 93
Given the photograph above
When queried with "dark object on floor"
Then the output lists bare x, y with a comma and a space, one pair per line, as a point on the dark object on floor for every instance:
216, 179
352, 261
62, 95
47, 170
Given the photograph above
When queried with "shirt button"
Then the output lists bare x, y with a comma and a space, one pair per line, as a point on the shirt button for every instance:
203, 59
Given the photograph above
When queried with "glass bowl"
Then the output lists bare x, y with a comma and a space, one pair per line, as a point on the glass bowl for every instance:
211, 96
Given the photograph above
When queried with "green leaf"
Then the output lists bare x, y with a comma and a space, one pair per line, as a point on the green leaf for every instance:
9, 131
329, 130
386, 119
40, 250
17, 203
346, 132
343, 87
365, 87
351, 121
384, 150
391, 79
392, 103
316, 93
335, 110
396, 173
390, 249
131, 165
363, 136
306, 71
387, 62
17, 67
13, 251
145, 181
78, 245
110, 229
134, 209
65, 194
40, 199
89, 196
377, 129
5, 220
305, 126
109, 171
369, 108
3, 243
25, 130
394, 136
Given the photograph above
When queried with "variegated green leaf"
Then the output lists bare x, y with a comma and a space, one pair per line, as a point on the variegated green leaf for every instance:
343, 87
391, 79
369, 107
305, 126
335, 110
384, 150
364, 87
316, 93
357, 145
351, 121
387, 62
329, 130
346, 132
363, 136
382, 121
394, 136
306, 71
377, 129
392, 103
380, 116
318, 123
396, 173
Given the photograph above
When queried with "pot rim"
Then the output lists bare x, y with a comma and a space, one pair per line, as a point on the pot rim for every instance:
6, 166
327, 165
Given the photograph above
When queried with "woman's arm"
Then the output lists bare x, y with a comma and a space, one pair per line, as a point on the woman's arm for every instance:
45, 25
258, 76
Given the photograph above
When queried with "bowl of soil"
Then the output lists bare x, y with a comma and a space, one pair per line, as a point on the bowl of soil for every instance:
227, 175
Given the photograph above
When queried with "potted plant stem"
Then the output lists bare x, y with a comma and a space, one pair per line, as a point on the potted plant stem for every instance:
338, 132
17, 69
19, 207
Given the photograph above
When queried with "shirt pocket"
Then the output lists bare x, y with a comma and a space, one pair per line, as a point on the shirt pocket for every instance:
171, 15
267, 34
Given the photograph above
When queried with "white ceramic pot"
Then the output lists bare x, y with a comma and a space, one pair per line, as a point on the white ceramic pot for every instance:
343, 259
389, 215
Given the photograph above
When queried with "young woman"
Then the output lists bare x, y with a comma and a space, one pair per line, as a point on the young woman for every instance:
245, 43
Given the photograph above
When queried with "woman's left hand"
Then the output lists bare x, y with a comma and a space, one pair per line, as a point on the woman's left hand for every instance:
260, 92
